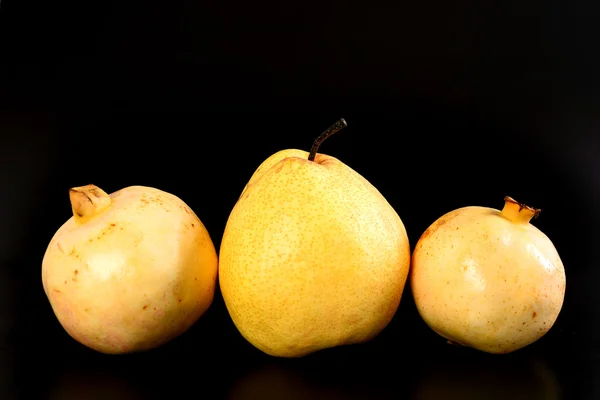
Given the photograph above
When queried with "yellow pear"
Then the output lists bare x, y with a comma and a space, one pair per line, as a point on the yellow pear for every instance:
129, 271
312, 257
488, 279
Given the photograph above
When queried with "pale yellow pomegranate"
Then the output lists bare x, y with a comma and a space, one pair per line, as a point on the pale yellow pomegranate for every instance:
488, 279
129, 271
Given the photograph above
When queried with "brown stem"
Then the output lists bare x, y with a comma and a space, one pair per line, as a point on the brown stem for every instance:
330, 131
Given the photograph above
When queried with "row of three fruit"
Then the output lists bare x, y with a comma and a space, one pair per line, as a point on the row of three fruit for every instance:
312, 256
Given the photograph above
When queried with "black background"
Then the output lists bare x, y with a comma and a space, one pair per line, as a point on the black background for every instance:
448, 104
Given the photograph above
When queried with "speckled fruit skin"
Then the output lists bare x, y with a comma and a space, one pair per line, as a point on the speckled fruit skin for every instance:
312, 257
132, 277
488, 279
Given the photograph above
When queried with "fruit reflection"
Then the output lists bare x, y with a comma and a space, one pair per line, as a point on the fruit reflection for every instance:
281, 381
94, 385
529, 379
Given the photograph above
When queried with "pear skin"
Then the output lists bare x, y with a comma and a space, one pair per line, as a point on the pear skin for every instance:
312, 257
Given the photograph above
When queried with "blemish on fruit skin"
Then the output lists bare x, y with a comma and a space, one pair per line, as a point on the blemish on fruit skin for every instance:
437, 224
145, 307
59, 247
56, 291
533, 315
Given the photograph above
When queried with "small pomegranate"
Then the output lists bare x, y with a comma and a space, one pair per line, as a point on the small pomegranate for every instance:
129, 271
488, 279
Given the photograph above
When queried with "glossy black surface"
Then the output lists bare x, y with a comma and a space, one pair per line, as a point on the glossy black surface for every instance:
447, 105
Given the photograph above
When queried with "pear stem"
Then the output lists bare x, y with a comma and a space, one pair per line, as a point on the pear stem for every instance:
330, 131
87, 202
518, 212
